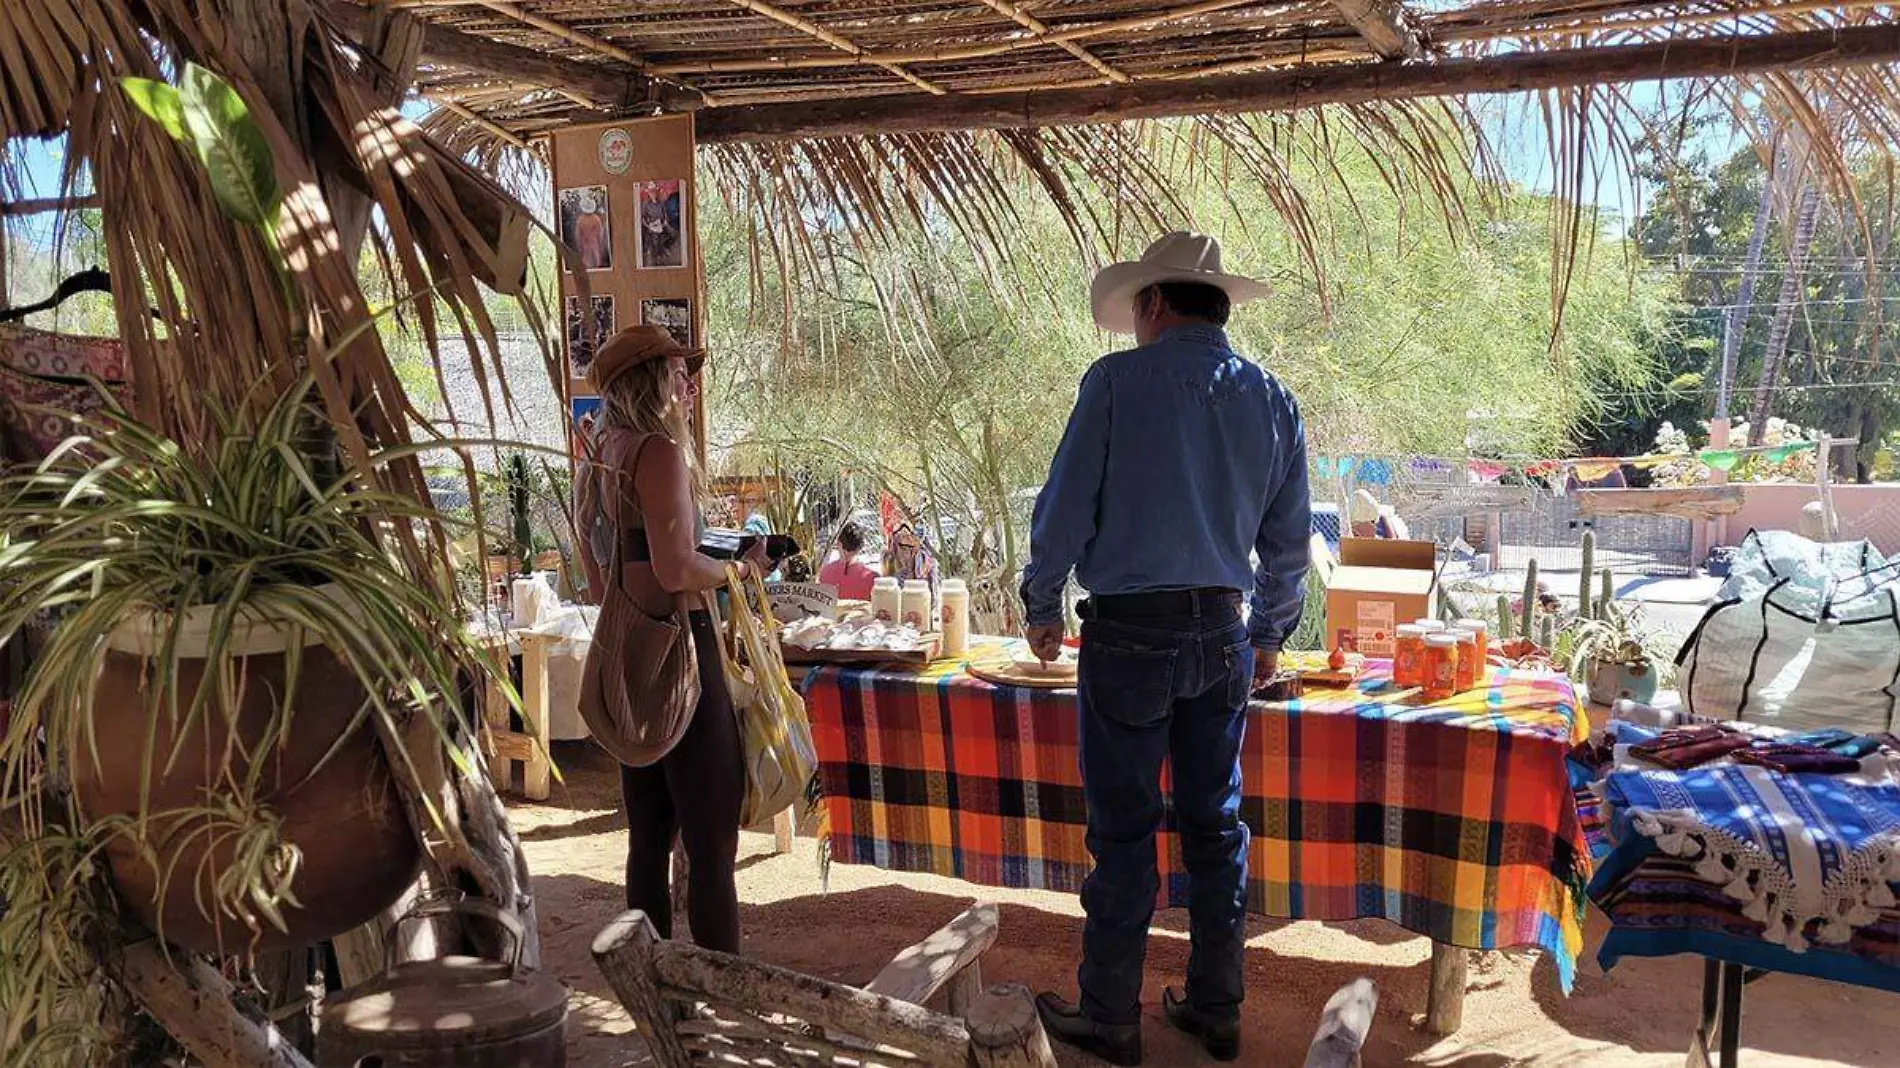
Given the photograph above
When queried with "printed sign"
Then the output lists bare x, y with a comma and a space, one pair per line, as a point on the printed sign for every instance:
616, 150
792, 601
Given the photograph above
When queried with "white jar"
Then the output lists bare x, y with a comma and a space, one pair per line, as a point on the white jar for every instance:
915, 605
956, 617
886, 600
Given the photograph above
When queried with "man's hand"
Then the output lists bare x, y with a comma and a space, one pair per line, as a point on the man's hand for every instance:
1265, 663
1045, 640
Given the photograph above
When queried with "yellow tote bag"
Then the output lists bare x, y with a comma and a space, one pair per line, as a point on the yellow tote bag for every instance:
773, 729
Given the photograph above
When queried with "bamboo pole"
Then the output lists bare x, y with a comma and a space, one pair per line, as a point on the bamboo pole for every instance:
1726, 56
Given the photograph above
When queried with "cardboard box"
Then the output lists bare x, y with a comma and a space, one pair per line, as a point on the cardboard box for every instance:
1379, 584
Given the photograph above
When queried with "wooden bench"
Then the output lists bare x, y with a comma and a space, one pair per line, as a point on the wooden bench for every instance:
696, 1006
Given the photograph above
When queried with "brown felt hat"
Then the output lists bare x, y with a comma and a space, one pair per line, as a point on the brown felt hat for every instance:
636, 345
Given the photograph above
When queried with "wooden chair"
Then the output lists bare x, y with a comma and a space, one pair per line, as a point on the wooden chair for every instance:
697, 1006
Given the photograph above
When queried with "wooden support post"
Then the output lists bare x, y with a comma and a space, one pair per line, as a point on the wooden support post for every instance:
624, 952
1715, 527
784, 829
965, 987
196, 1006
1823, 487
918, 972
1004, 1030
1445, 1002
534, 713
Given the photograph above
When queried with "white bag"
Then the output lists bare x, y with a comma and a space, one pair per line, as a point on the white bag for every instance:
1853, 677
1744, 647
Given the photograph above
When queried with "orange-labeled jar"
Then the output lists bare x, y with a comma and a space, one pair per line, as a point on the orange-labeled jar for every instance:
1477, 627
1467, 673
1441, 666
1408, 656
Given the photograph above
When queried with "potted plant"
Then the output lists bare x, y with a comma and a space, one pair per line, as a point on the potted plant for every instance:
1608, 654
237, 652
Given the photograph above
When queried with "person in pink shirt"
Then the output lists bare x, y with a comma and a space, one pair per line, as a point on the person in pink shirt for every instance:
852, 579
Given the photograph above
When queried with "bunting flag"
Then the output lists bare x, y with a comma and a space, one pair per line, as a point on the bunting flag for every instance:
1376, 471
1595, 470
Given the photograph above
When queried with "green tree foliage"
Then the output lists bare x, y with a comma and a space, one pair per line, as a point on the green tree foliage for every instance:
945, 379
1837, 375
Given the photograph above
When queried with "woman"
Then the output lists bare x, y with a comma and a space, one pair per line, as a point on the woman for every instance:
852, 579
642, 494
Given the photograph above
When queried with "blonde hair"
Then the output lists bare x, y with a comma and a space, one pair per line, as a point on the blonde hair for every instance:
640, 399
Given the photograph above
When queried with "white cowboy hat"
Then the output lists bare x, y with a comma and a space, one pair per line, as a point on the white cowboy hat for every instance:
1177, 257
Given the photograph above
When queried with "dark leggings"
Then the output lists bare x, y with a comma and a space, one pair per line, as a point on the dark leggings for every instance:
694, 792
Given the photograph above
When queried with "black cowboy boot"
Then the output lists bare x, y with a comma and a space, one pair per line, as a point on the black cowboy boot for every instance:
1221, 1038
1118, 1044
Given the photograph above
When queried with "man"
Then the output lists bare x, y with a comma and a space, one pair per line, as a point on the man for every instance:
1180, 461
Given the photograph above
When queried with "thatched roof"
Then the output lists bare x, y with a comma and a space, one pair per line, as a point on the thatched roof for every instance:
760, 69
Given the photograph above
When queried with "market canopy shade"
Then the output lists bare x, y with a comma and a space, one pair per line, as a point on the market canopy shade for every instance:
777, 69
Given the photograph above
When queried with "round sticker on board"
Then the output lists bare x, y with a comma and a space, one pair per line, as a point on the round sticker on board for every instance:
616, 151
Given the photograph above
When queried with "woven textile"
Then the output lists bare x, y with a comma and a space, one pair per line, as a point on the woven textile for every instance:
1453, 820
43, 384
1796, 873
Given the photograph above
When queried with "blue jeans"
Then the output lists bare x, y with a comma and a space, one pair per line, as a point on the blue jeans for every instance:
1156, 685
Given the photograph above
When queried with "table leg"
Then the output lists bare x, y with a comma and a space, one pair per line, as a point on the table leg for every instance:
1445, 1002
784, 829
536, 771
1731, 1028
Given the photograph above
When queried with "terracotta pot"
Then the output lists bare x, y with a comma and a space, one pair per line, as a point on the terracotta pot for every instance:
1612, 681
358, 850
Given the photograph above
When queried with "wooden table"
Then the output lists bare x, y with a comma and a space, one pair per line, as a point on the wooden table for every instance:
1454, 820
528, 747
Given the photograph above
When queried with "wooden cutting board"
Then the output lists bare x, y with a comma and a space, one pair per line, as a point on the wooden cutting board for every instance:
1006, 672
917, 657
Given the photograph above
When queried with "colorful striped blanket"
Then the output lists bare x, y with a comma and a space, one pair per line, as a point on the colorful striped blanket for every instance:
1453, 820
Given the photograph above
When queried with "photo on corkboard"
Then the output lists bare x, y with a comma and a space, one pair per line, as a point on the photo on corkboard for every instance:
662, 237
675, 314
584, 413
584, 227
587, 330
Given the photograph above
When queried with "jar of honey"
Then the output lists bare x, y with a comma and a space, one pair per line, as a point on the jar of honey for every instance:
1408, 656
1467, 674
1477, 627
1441, 666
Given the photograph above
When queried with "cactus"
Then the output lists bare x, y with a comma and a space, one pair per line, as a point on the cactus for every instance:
1609, 588
1547, 634
1585, 572
1504, 617
1529, 608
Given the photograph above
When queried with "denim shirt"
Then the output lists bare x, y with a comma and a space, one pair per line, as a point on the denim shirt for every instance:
1181, 461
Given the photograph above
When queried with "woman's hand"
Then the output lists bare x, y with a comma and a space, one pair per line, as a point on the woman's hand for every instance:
756, 560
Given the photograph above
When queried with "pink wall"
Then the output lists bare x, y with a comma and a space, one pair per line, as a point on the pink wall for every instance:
1871, 512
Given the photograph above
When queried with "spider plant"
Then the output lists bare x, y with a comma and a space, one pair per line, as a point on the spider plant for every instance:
256, 527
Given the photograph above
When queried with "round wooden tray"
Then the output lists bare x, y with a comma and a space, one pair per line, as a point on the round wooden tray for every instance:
1001, 672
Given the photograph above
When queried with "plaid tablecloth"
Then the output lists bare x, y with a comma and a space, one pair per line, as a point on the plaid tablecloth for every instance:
1453, 820
1793, 873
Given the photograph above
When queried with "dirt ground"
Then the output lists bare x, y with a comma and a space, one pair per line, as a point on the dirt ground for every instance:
1638, 1016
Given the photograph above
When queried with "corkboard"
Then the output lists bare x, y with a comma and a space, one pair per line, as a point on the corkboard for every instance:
651, 151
